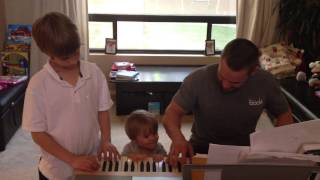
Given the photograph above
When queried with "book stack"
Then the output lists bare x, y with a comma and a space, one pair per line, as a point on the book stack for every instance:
125, 75
123, 65
123, 71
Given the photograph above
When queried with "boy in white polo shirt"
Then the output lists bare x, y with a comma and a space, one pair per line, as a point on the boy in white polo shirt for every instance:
66, 103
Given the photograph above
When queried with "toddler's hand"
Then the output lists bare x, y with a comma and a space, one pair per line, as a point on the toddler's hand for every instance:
158, 157
137, 157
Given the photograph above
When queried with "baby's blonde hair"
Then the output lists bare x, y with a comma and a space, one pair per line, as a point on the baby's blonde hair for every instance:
140, 121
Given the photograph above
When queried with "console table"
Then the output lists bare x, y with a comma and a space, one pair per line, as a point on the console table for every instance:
160, 83
154, 84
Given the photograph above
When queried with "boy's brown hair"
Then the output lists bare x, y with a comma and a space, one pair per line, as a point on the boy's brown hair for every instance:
56, 35
140, 121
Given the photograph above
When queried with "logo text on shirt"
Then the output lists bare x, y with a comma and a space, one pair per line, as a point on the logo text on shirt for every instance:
255, 102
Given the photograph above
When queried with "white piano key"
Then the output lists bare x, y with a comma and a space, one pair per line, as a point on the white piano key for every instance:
101, 165
123, 161
136, 166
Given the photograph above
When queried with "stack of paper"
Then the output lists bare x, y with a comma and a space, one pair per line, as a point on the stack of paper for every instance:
287, 138
126, 75
280, 145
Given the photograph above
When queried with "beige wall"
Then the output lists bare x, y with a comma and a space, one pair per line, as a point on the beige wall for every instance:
2, 23
14, 11
19, 11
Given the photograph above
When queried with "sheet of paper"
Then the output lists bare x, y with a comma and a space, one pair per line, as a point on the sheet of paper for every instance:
280, 157
223, 154
287, 138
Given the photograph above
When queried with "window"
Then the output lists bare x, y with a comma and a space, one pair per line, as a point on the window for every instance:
161, 26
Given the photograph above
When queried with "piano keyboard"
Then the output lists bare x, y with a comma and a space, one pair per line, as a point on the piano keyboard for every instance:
127, 167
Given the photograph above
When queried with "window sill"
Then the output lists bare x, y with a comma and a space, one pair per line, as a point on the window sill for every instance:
157, 59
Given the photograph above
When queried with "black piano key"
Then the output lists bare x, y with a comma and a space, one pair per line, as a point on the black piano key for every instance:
179, 166
126, 166
132, 166
104, 165
141, 166
164, 169
154, 167
148, 166
116, 168
170, 168
110, 166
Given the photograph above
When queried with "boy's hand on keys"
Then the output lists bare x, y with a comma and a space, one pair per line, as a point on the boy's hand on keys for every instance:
85, 163
108, 151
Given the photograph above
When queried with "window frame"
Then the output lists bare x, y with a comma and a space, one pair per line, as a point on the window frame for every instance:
115, 18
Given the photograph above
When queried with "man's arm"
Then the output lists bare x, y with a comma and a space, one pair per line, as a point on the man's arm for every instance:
108, 149
172, 121
284, 118
47, 142
172, 124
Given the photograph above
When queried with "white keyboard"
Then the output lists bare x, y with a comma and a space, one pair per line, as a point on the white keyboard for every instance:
127, 165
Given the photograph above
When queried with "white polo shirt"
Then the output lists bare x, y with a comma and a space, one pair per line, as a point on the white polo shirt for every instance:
69, 114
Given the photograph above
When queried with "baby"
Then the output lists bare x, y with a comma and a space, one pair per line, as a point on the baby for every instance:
142, 129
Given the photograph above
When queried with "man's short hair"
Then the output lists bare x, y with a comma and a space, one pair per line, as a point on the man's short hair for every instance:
56, 35
140, 121
241, 54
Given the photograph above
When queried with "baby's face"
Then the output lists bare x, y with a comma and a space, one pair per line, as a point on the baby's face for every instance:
147, 140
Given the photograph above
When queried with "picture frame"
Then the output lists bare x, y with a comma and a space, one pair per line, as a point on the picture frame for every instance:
210, 47
111, 46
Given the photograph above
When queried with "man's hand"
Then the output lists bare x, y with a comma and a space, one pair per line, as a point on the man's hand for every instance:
180, 150
85, 163
108, 151
180, 147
